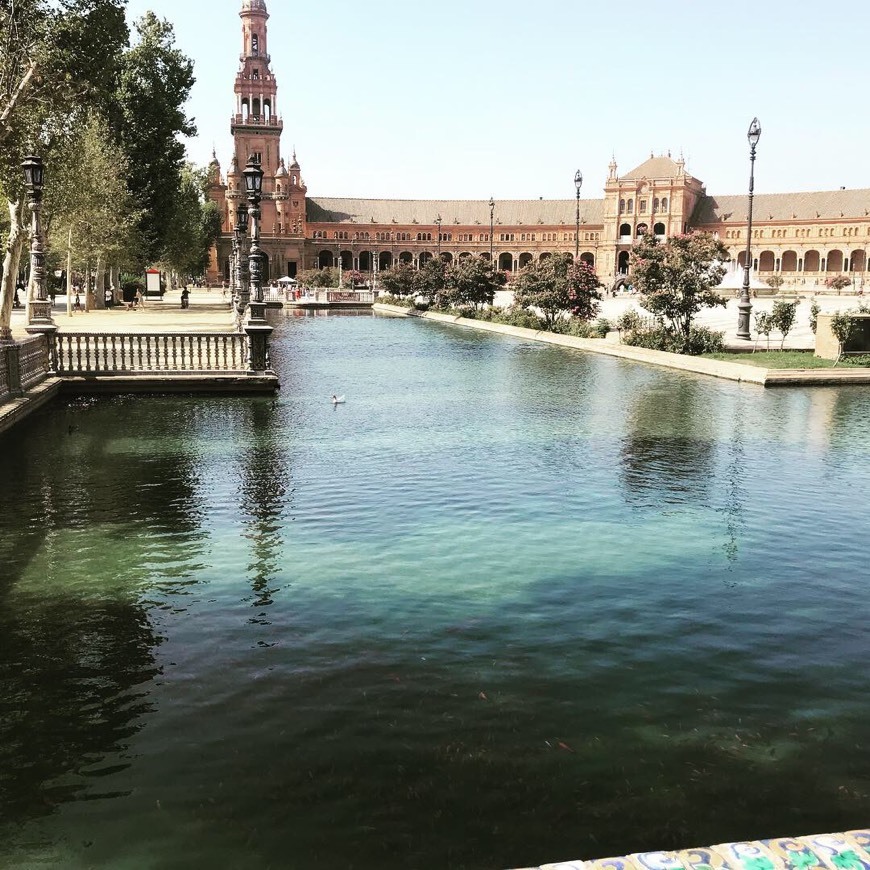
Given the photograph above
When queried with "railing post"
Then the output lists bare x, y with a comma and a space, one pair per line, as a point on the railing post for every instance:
13, 368
258, 341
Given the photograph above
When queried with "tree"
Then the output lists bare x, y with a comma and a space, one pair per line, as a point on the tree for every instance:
195, 226
430, 281
545, 285
775, 281
838, 282
154, 84
783, 316
399, 280
584, 291
58, 58
319, 278
676, 278
764, 325
473, 281
88, 206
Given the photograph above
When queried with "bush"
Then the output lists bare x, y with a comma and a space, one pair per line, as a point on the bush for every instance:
700, 340
629, 321
401, 301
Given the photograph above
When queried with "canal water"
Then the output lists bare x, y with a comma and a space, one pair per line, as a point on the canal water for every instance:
509, 604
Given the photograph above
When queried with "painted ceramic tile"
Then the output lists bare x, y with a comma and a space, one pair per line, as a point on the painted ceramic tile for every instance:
657, 861
794, 854
748, 856
702, 859
837, 852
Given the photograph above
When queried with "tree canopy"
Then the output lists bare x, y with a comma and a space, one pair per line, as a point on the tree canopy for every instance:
555, 286
677, 278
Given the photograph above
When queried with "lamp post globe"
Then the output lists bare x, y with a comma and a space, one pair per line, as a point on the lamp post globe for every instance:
744, 307
578, 183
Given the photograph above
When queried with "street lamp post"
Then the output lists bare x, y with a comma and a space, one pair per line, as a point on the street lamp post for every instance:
38, 307
744, 307
438, 222
491, 229
241, 289
254, 188
257, 329
578, 183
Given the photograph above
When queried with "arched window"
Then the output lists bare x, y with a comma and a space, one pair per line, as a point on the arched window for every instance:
625, 230
664, 203
655, 205
255, 45
641, 229
659, 229
630, 206
622, 206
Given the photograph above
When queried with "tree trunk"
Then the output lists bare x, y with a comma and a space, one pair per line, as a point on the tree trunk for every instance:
100, 283
11, 262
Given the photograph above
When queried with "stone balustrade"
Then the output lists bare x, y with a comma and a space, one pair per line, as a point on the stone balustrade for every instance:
131, 353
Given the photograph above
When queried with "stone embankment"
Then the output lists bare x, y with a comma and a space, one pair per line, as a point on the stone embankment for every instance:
732, 371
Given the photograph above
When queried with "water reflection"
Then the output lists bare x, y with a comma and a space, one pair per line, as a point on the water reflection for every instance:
670, 450
265, 481
91, 530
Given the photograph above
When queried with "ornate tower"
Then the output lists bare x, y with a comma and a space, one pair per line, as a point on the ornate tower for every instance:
256, 129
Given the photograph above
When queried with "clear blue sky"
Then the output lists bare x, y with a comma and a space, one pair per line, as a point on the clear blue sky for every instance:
471, 98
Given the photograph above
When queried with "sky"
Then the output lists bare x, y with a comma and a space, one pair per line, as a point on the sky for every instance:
467, 99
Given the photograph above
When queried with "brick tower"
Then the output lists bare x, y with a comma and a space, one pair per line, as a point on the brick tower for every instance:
256, 128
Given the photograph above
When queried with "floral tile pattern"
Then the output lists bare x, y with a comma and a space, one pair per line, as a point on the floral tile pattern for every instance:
849, 851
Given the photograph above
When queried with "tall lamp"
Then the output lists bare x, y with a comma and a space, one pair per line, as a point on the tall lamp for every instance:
491, 229
38, 307
578, 183
254, 189
241, 288
744, 307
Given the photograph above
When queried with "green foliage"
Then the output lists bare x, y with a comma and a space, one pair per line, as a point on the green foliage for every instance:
473, 281
194, 227
629, 321
815, 308
351, 278
154, 82
775, 281
676, 278
843, 326
430, 281
555, 286
87, 202
402, 301
397, 281
319, 278
838, 282
764, 325
783, 316
699, 341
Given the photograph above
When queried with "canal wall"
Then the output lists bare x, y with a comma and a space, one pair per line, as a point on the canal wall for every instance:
818, 852
731, 371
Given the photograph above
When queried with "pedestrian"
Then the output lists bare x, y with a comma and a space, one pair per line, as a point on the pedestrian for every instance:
109, 298
185, 298
137, 299
77, 304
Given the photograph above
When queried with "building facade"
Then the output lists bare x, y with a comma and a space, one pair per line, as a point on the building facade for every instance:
804, 237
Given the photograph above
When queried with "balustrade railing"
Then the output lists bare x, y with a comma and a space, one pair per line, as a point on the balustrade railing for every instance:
6, 390
94, 353
33, 355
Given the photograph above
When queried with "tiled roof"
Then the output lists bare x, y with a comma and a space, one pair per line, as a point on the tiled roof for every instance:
655, 167
821, 205
508, 213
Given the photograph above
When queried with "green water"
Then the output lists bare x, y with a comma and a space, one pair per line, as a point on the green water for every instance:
509, 604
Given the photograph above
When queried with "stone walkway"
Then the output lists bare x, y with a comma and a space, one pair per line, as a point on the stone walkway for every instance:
725, 319
208, 312
819, 852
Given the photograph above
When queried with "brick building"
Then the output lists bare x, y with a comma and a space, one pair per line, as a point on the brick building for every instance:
805, 237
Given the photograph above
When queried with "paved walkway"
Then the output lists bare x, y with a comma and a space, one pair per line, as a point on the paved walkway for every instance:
725, 319
208, 312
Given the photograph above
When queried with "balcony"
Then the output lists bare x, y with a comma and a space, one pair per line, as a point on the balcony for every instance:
256, 121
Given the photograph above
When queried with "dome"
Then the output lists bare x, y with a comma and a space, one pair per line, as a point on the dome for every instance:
282, 169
